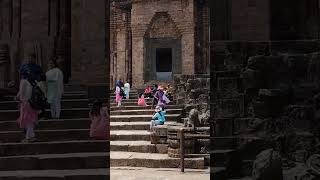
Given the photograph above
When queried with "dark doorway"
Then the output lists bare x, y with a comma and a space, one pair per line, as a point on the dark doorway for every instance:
164, 60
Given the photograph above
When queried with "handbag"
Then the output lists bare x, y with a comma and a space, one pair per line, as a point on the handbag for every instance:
165, 98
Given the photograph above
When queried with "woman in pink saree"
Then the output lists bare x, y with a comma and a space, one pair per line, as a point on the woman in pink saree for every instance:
99, 116
28, 116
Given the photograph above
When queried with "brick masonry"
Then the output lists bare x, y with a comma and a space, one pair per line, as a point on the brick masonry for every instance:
89, 63
142, 14
27, 29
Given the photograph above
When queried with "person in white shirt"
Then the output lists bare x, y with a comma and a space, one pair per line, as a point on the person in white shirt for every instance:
55, 89
127, 90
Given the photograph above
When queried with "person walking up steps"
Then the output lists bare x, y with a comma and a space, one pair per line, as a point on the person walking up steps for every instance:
118, 96
99, 116
55, 89
127, 89
148, 92
35, 74
28, 116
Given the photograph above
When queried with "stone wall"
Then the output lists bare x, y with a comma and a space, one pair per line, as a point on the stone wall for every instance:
89, 61
192, 90
250, 20
181, 12
44, 30
24, 29
120, 33
270, 91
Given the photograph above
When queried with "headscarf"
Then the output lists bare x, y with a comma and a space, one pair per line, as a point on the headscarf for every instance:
119, 83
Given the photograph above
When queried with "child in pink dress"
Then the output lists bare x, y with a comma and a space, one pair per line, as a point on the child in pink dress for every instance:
28, 116
118, 96
99, 128
141, 100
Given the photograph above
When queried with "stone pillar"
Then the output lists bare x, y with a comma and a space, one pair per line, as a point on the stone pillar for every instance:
250, 20
137, 62
34, 29
121, 54
88, 29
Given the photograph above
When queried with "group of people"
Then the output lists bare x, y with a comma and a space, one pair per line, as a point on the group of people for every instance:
122, 91
161, 98
35, 85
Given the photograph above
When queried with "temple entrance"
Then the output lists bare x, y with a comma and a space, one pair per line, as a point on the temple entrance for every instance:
164, 63
61, 19
162, 59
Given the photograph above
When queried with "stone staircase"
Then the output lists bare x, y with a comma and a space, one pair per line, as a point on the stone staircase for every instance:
63, 150
130, 141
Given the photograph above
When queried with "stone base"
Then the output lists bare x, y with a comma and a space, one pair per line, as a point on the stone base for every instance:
159, 135
175, 153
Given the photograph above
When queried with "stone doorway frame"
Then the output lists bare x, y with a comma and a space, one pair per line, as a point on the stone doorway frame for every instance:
151, 44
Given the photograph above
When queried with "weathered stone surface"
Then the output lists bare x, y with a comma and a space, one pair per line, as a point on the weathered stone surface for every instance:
299, 172
313, 164
267, 166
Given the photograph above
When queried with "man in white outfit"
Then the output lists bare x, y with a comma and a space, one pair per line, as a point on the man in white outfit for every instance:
127, 90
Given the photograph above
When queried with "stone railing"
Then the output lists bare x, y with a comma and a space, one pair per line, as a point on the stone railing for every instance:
192, 92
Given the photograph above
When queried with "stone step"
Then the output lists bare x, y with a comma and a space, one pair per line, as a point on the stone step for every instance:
132, 100
66, 103
152, 160
74, 113
86, 160
144, 112
46, 135
141, 118
54, 147
133, 135
6, 115
49, 124
135, 106
220, 157
75, 92
124, 103
131, 125
74, 87
73, 174
227, 142
75, 96
64, 96
138, 146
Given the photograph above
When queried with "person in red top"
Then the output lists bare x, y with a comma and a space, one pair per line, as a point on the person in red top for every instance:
141, 100
148, 92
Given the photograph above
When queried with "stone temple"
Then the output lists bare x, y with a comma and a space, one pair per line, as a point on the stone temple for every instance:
246, 75
151, 41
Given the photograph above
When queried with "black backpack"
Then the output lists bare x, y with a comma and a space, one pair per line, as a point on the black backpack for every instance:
38, 101
122, 92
